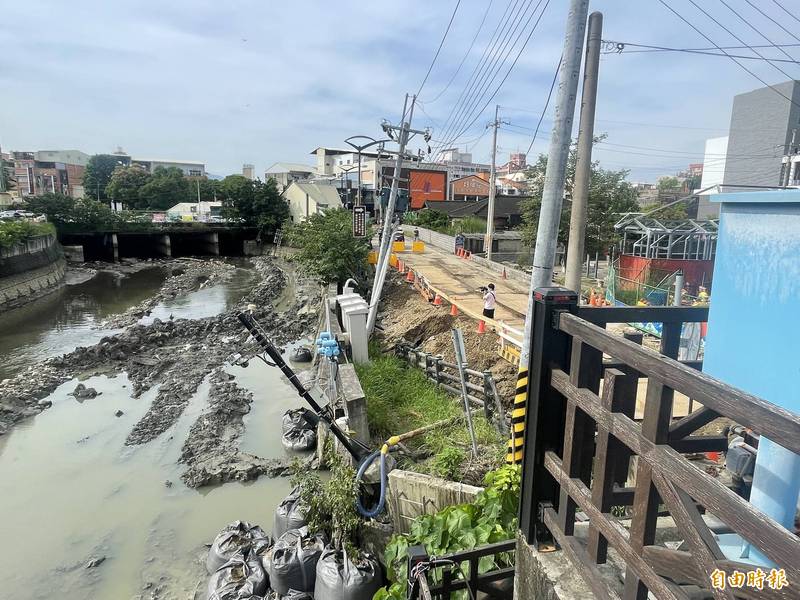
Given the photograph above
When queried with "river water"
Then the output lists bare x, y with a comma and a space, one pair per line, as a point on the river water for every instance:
71, 491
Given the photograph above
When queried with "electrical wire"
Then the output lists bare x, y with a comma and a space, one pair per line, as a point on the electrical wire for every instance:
490, 61
461, 129
466, 54
784, 9
511, 68
774, 21
439, 49
546, 103
756, 29
662, 49
690, 24
615, 47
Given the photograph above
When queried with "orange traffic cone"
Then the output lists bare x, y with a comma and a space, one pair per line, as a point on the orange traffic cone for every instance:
401, 267
437, 301
481, 326
410, 276
591, 297
453, 310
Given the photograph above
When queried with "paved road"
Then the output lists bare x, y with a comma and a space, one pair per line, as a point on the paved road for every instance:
459, 280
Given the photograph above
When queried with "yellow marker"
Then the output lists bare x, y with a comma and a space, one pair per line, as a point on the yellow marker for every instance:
517, 441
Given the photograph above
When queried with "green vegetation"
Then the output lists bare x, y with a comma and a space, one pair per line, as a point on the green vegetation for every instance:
97, 175
331, 505
666, 184
327, 249
468, 224
15, 232
255, 203
610, 195
491, 518
400, 399
69, 214
428, 218
165, 188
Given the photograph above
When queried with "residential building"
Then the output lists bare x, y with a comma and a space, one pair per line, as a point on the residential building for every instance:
54, 171
459, 164
285, 173
334, 161
713, 174
195, 211
763, 124
471, 187
518, 161
249, 171
190, 168
306, 199
507, 210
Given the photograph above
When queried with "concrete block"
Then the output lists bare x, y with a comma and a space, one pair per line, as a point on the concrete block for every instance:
74, 254
355, 402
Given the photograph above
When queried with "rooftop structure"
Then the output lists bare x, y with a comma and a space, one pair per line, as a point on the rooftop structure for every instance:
650, 237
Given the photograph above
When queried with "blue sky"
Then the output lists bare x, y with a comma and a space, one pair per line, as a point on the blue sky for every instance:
267, 81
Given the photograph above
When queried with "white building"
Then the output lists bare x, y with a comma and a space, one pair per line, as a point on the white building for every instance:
285, 173
190, 168
459, 164
714, 161
249, 171
194, 211
306, 199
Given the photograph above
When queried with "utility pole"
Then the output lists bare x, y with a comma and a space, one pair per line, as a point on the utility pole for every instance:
583, 170
492, 186
553, 193
404, 134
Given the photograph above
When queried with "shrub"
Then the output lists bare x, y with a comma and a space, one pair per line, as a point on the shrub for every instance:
15, 232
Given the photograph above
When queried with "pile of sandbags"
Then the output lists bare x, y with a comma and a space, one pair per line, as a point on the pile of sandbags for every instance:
237, 536
297, 433
339, 578
289, 514
235, 564
292, 562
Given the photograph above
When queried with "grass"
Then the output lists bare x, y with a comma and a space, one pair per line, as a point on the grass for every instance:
400, 398
15, 232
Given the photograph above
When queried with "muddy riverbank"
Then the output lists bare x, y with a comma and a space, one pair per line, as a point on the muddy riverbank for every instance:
173, 357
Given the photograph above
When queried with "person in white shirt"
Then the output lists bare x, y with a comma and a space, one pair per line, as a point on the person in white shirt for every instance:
489, 301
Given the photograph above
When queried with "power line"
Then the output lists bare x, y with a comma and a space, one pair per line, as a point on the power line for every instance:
774, 21
738, 39
615, 47
784, 9
690, 24
662, 49
490, 47
439, 49
754, 28
466, 54
477, 89
511, 68
546, 103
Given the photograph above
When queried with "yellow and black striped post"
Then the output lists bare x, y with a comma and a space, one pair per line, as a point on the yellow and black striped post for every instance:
517, 441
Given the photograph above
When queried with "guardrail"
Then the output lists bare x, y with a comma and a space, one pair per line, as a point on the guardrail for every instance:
580, 442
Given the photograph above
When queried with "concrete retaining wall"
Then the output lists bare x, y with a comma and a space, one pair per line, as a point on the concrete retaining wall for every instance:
414, 494
440, 240
30, 270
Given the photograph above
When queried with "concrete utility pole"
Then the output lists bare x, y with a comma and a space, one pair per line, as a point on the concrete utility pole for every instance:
492, 186
405, 133
583, 170
553, 193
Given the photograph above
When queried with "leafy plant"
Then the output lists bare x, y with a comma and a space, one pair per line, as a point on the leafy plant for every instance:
447, 463
327, 249
428, 218
15, 232
491, 518
331, 505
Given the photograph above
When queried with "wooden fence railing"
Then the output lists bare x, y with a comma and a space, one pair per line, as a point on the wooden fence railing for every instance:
581, 438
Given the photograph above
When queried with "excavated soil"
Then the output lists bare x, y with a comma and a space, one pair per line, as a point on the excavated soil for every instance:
407, 316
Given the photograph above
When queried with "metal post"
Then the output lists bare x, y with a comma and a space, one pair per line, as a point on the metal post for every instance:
552, 195
358, 195
461, 363
492, 187
676, 301
583, 175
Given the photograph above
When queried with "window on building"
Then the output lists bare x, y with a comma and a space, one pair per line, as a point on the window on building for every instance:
195, 173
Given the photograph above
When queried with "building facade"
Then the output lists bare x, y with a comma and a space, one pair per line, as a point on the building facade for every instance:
763, 124
306, 199
459, 164
49, 171
189, 168
286, 173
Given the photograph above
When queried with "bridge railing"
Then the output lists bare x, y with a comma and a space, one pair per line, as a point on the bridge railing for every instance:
582, 440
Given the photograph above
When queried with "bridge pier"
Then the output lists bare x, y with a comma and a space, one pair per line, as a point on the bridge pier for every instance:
210, 242
112, 244
163, 244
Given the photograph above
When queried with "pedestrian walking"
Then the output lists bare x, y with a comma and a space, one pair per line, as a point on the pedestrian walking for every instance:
489, 301
416, 234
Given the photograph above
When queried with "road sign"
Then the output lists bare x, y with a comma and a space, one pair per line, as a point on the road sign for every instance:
359, 221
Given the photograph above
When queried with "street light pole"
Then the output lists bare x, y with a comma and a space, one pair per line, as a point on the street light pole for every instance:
359, 148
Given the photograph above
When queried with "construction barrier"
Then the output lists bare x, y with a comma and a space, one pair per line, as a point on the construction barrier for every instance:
398, 246
418, 247
516, 443
372, 257
393, 260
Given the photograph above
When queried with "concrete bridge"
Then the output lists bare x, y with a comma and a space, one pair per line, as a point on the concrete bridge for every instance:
172, 241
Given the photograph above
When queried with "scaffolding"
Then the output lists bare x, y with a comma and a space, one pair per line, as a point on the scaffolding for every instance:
686, 239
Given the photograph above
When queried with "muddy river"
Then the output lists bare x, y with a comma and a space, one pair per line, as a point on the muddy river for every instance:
72, 494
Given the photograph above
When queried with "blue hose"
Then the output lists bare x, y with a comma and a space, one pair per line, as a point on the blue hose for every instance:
374, 512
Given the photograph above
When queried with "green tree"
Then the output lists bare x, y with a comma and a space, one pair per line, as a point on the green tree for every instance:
430, 219
98, 173
256, 203
676, 212
126, 184
610, 195
668, 183
209, 188
166, 188
57, 207
83, 215
328, 250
